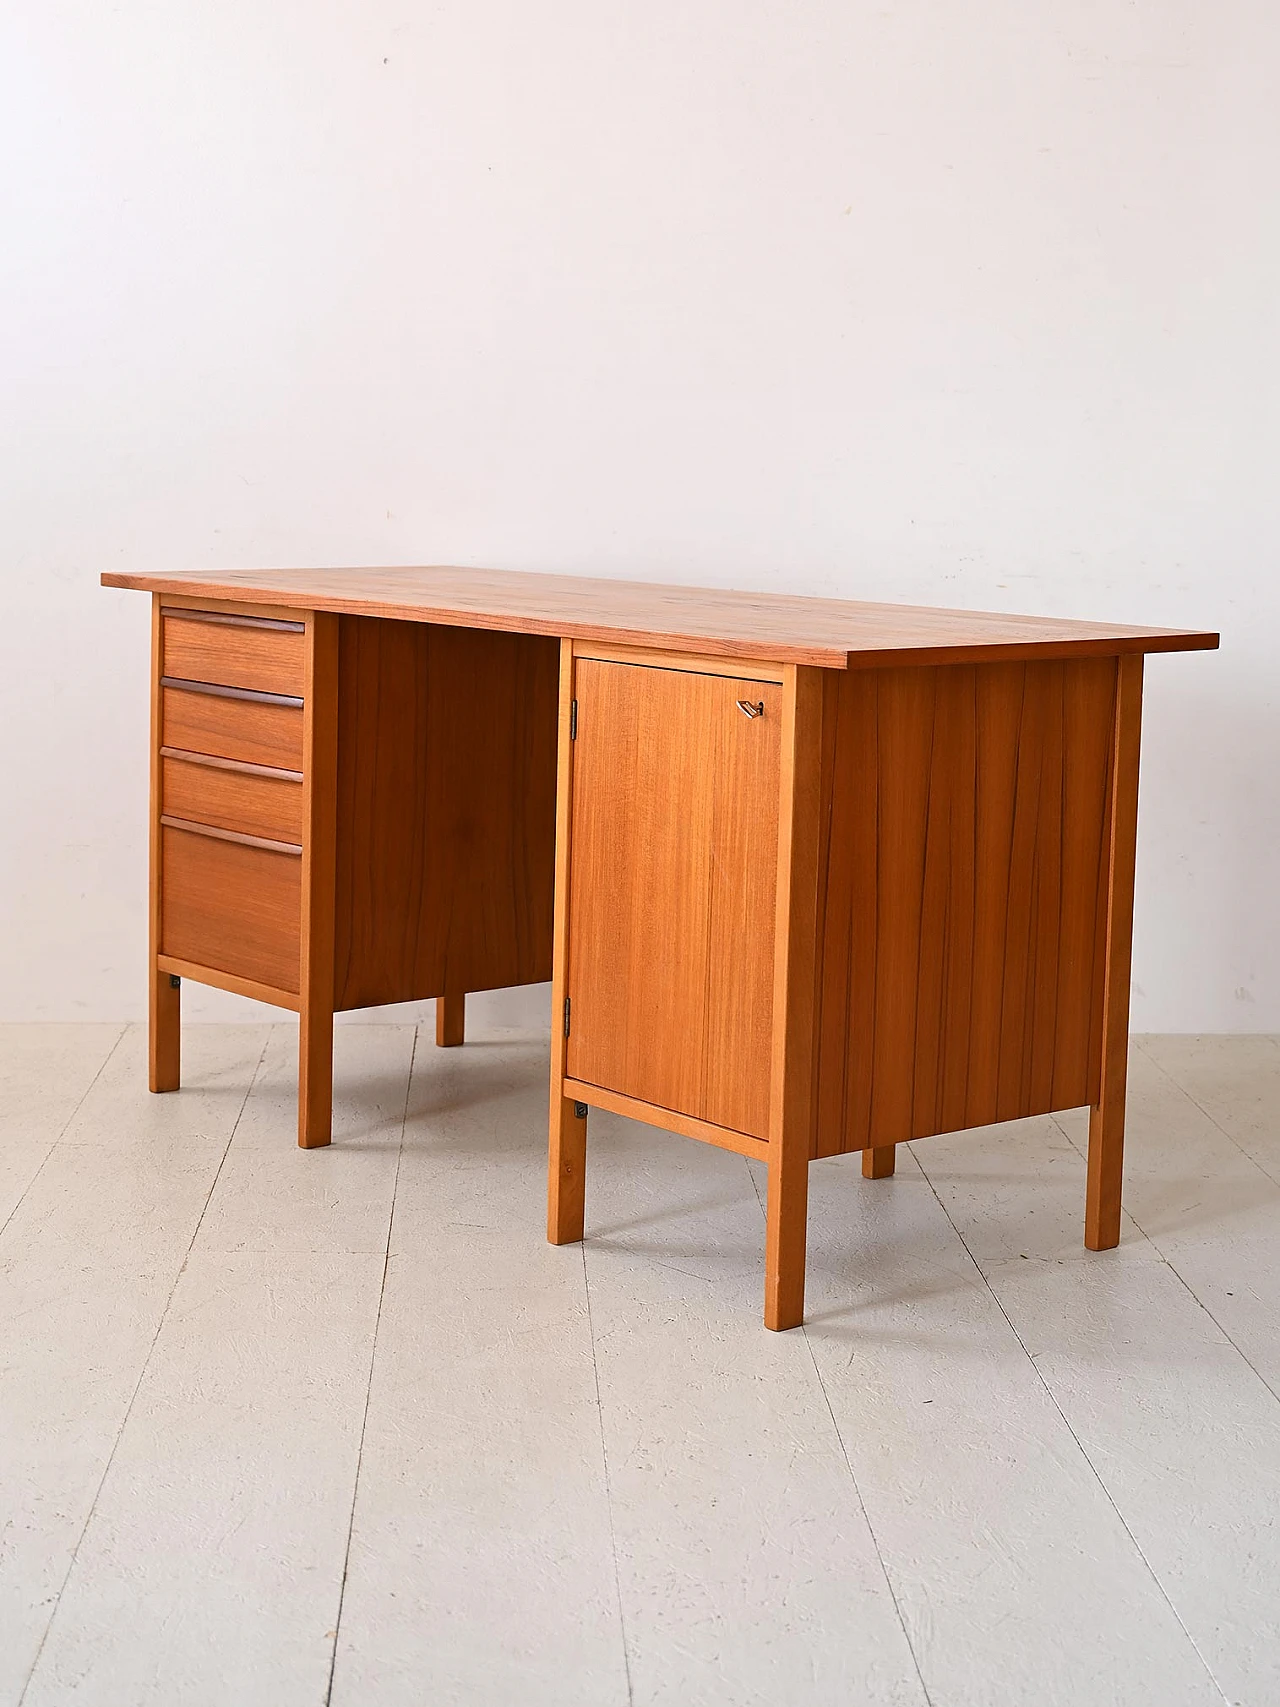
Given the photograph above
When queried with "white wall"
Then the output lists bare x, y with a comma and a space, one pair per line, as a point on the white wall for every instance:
957, 303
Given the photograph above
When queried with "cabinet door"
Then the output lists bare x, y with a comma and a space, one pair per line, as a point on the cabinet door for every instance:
673, 855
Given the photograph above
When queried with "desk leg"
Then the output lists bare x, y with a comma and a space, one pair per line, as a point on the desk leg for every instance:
567, 1171
164, 1032
164, 996
320, 773
786, 1233
1106, 1121
878, 1162
315, 1076
567, 1147
451, 1020
795, 950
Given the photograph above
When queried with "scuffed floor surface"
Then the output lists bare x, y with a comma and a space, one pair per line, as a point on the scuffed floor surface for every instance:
281, 1428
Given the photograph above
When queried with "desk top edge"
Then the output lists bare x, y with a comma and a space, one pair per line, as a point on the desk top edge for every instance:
780, 627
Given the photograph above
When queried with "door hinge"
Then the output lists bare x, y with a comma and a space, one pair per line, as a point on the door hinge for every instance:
566, 1016
573, 720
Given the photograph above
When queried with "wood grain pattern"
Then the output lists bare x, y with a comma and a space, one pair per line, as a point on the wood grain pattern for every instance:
319, 859
963, 889
793, 1031
446, 811
219, 648
1106, 1121
232, 728
671, 899
164, 997
232, 907
257, 805
837, 633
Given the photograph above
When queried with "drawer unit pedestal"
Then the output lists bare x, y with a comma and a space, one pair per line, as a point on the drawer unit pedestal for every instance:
340, 817
803, 912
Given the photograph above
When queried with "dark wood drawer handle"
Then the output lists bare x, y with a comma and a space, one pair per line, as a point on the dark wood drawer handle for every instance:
242, 767
228, 619
254, 694
240, 836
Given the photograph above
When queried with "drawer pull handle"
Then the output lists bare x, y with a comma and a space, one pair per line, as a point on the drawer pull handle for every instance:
254, 694
219, 835
225, 619
242, 767
751, 708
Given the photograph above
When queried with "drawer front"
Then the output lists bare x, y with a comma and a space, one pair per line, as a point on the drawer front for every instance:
237, 909
235, 652
250, 802
261, 732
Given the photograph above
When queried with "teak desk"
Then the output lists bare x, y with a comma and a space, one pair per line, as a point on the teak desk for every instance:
809, 876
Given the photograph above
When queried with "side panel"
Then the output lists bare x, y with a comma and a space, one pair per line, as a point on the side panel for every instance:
445, 810
962, 893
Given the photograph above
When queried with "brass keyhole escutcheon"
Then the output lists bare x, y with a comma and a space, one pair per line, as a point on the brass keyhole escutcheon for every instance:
751, 708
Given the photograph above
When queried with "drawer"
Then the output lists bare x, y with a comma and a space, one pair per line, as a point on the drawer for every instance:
220, 792
232, 907
261, 729
234, 651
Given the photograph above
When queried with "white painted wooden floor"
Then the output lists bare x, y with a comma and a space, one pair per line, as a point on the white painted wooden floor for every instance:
290, 1428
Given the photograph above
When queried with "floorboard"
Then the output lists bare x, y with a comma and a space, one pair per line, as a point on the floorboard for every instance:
281, 1427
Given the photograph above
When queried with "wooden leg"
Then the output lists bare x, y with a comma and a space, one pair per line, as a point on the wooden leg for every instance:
878, 1162
1106, 1123
566, 1171
567, 1147
164, 1032
451, 1018
1106, 1168
786, 1226
319, 855
795, 948
164, 994
315, 1077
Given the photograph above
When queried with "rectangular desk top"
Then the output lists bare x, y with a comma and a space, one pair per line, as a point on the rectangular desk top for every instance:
780, 627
